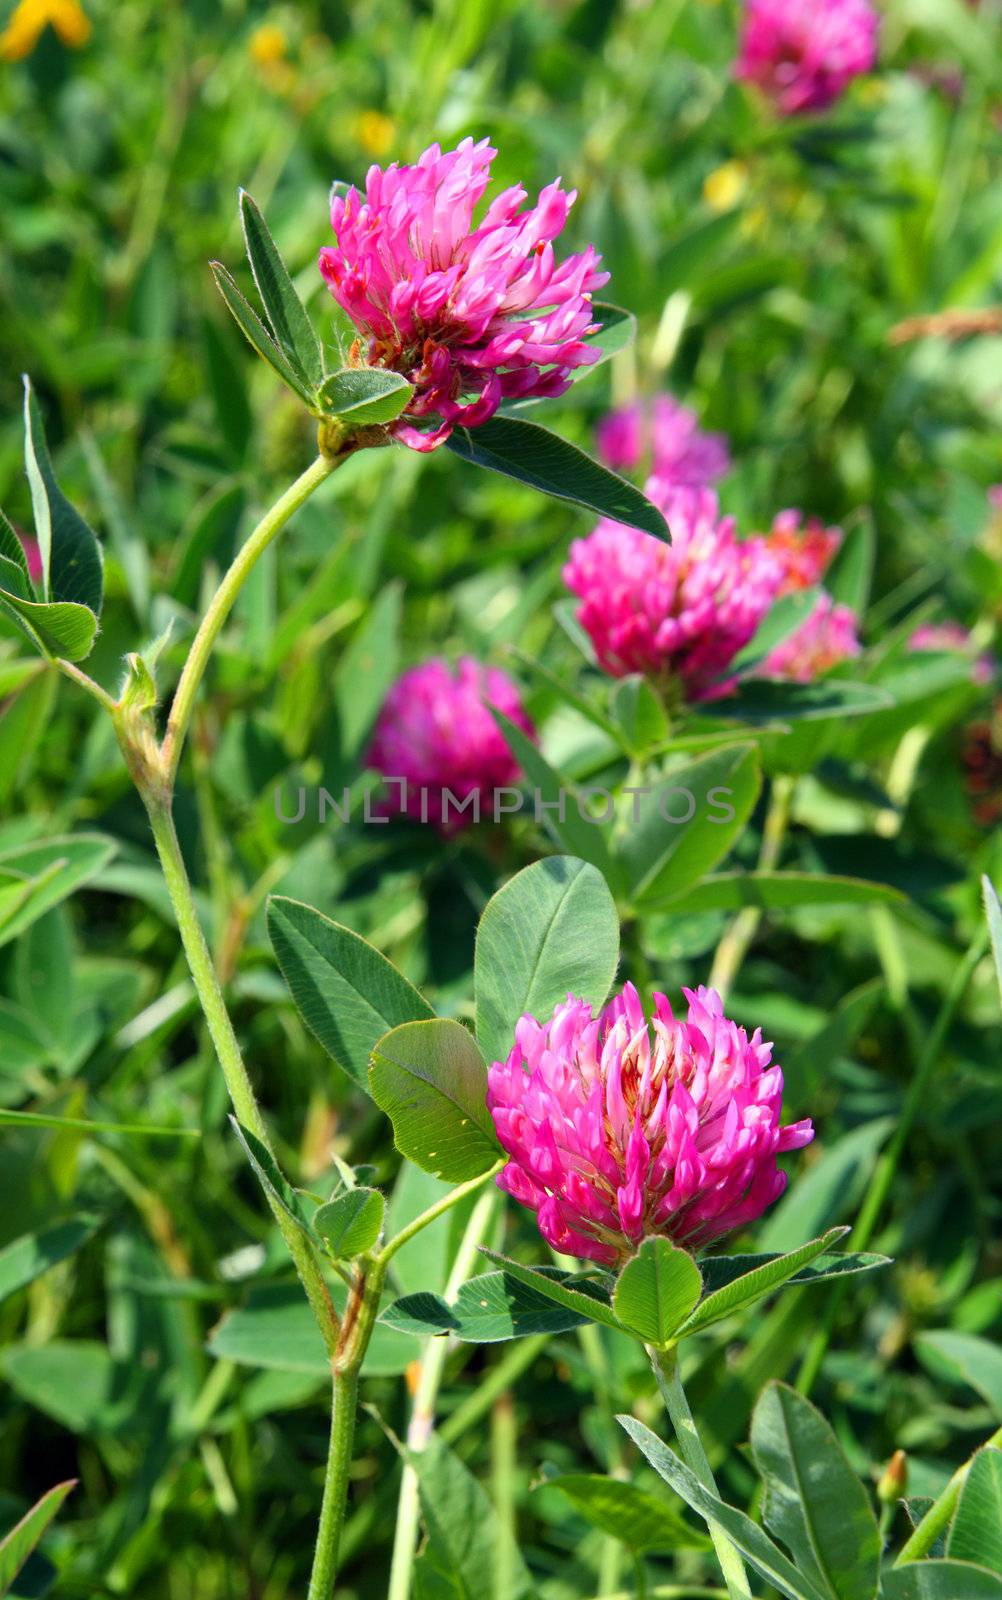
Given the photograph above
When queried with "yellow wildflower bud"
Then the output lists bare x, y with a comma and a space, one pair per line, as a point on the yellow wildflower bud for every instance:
267, 45
724, 187
375, 131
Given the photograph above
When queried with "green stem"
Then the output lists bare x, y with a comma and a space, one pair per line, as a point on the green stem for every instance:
887, 1167
344, 1405
736, 941
227, 1049
665, 1364
87, 683
222, 603
359, 1321
937, 1518
423, 1411
504, 1463
437, 1210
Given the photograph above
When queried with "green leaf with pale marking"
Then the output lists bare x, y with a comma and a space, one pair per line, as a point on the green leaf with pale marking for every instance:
350, 1224
814, 1502
489, 1308
976, 1534
570, 1290
17, 1545
430, 1079
57, 627
550, 931
765, 700
542, 460
744, 1290
656, 1291
719, 1271
294, 332
361, 396
72, 563
346, 992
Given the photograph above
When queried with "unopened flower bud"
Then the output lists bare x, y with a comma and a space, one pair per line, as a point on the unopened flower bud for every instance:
894, 1481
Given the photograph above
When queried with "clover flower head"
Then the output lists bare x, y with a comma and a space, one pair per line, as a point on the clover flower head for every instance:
470, 314
435, 734
673, 611
804, 53
803, 546
682, 456
952, 636
824, 639
626, 1125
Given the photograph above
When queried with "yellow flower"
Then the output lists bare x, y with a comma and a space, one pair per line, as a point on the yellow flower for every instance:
724, 187
375, 131
267, 45
30, 19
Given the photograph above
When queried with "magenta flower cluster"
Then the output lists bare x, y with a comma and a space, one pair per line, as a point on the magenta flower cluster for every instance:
619, 1126
667, 434
804, 548
470, 315
828, 636
952, 637
435, 733
804, 53
681, 610
824, 639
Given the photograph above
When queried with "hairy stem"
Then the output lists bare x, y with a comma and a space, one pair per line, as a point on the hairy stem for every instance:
85, 682
356, 1332
227, 1049
344, 1405
669, 1382
222, 602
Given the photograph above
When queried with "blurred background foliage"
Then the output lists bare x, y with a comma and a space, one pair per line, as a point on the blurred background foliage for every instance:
768, 264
